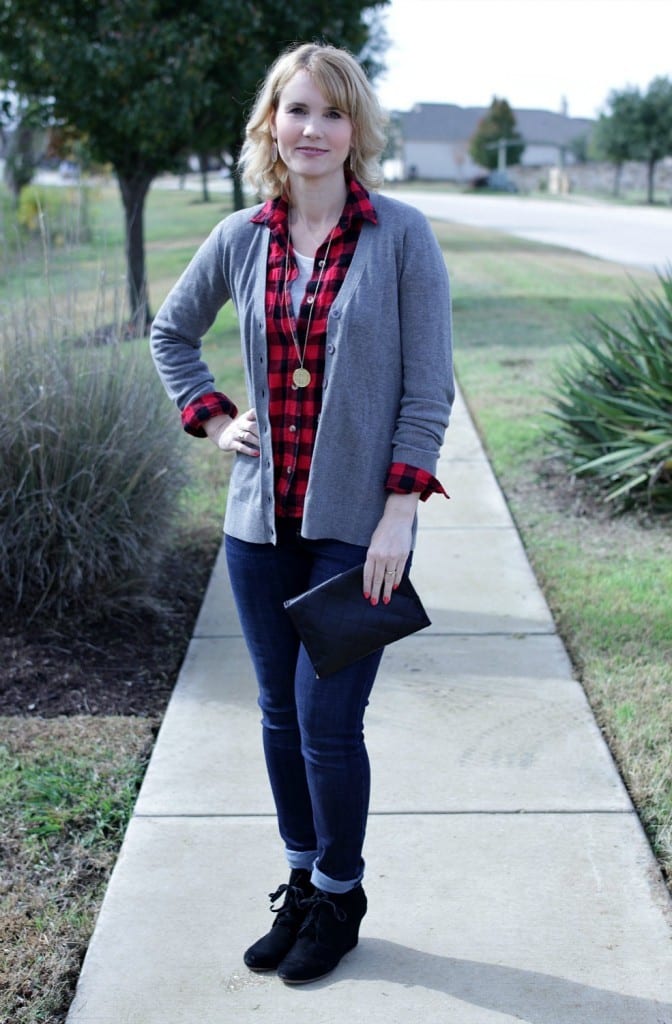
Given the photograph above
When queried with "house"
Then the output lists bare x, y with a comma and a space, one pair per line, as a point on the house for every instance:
433, 139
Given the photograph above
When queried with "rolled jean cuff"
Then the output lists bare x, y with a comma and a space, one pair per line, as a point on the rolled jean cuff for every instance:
335, 885
301, 858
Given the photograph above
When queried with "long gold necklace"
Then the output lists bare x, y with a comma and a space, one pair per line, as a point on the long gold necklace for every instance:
301, 376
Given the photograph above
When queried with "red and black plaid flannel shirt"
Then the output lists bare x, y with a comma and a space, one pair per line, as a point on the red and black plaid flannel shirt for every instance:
294, 412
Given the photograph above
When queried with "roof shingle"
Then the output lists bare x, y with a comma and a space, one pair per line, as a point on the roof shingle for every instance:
446, 122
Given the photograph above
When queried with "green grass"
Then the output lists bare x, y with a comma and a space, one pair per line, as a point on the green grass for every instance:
608, 580
67, 787
64, 796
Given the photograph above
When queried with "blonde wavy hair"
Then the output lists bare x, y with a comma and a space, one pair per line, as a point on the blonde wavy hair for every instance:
343, 83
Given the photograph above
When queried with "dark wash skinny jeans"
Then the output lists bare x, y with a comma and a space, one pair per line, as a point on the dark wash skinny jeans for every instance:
313, 729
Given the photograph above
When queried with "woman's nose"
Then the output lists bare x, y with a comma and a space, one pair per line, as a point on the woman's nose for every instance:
311, 127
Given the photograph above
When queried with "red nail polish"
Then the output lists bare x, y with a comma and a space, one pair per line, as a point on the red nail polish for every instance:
395, 586
386, 600
367, 596
374, 601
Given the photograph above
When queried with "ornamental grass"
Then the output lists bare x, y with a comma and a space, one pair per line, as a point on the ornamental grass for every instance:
91, 466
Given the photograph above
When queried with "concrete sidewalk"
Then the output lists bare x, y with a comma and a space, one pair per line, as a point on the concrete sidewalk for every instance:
507, 873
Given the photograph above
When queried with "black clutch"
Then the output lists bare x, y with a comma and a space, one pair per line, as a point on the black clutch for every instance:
338, 626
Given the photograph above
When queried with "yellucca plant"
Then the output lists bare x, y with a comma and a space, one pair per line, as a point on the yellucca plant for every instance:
612, 415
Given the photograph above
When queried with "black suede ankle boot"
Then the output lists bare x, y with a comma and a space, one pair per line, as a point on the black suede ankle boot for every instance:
269, 950
328, 932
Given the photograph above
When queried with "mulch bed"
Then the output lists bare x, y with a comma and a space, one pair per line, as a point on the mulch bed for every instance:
127, 666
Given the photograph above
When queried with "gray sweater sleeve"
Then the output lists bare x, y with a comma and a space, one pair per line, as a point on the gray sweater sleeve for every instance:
185, 317
426, 341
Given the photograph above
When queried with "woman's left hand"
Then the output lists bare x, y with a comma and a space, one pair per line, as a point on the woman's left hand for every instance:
389, 548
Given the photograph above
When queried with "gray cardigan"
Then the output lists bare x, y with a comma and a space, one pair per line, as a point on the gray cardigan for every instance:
388, 380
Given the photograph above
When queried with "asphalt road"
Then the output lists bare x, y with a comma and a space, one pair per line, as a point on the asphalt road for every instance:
633, 236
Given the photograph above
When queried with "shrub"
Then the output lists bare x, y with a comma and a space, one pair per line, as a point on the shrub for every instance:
613, 404
62, 215
45, 218
90, 470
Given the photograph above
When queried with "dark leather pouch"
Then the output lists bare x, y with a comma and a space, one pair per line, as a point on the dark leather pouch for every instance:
338, 626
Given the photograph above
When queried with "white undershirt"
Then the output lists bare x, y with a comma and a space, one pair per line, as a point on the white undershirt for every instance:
297, 289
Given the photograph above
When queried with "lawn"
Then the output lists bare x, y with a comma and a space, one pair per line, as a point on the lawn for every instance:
67, 784
608, 579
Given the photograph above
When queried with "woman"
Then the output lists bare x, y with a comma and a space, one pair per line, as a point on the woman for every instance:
344, 310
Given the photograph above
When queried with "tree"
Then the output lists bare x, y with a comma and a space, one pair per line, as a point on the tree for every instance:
638, 127
146, 80
656, 128
616, 134
496, 132
579, 147
25, 142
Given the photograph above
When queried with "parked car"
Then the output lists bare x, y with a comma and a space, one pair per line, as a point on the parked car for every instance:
69, 170
495, 181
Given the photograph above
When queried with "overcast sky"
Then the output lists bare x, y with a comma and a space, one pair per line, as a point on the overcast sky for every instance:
531, 52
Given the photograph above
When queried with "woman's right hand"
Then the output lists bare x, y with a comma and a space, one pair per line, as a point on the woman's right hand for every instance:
240, 435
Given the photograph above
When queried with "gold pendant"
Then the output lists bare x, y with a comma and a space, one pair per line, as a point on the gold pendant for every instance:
301, 377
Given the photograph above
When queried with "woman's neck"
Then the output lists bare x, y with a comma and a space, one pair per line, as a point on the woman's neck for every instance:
314, 209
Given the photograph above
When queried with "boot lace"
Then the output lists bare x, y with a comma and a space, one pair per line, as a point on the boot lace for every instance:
315, 905
294, 898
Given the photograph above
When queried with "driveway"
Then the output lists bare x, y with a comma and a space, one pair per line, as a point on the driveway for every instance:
633, 236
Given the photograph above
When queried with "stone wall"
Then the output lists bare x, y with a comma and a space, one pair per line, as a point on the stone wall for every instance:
595, 177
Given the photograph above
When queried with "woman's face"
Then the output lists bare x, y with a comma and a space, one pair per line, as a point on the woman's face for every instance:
313, 138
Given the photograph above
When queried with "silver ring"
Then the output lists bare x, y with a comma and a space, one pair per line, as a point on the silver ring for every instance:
390, 572
241, 435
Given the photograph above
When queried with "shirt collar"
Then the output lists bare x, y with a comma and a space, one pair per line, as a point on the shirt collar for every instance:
357, 206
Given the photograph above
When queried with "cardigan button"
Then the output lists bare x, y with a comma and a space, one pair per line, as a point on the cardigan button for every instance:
336, 313
331, 349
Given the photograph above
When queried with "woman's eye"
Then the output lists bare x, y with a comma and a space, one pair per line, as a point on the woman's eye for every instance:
336, 114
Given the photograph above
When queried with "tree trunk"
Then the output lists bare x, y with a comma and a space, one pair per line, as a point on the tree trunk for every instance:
203, 166
238, 197
134, 189
20, 162
234, 150
618, 173
650, 180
